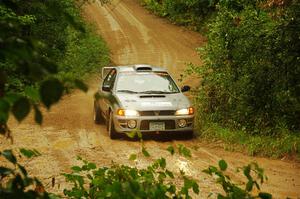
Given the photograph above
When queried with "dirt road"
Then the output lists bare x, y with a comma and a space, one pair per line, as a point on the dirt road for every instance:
134, 36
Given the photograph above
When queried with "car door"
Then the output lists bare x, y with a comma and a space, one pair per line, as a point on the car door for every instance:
108, 82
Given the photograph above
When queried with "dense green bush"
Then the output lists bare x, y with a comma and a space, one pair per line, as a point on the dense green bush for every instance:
76, 50
251, 69
252, 66
85, 53
183, 12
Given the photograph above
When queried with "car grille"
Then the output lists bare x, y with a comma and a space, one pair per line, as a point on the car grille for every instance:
157, 113
169, 124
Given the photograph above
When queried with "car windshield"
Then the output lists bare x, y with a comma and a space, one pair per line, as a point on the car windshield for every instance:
148, 83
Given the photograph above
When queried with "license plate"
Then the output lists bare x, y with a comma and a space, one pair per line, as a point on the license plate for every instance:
157, 126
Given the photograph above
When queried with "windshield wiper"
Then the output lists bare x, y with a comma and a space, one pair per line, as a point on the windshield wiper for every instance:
126, 91
156, 92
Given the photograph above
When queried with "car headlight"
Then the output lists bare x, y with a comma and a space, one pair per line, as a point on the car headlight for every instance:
124, 112
185, 111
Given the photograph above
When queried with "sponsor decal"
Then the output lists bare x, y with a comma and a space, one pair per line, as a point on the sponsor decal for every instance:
156, 104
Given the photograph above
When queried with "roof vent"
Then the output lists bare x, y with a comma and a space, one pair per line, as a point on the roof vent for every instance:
143, 68
152, 96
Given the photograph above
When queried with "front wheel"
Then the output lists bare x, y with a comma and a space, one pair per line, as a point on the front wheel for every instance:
111, 127
186, 135
189, 134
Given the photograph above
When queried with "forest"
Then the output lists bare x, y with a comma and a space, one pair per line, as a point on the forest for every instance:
251, 69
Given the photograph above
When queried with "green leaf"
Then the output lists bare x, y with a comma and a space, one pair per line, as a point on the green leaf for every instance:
91, 166
196, 188
264, 195
140, 135
172, 189
161, 176
257, 185
89, 176
246, 171
162, 162
249, 185
5, 171
76, 168
133, 157
184, 151
131, 134
32, 93
221, 197
11, 98
211, 170
145, 152
21, 108
223, 165
22, 169
29, 153
188, 183
9, 156
171, 150
80, 85
51, 91
169, 173
38, 117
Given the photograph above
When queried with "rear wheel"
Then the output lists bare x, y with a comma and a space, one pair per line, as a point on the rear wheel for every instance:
111, 128
98, 119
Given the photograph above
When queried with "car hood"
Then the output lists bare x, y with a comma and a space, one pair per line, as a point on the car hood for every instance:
152, 101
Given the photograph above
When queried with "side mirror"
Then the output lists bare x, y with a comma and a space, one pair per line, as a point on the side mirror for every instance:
106, 88
185, 88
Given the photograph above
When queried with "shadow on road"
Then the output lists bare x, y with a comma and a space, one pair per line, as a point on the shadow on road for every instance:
160, 137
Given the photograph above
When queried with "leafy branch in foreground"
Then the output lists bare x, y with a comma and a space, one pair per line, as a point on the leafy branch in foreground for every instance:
156, 181
44, 52
15, 181
121, 181
231, 189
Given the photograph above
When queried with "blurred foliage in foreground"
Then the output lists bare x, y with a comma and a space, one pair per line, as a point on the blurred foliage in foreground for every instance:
122, 181
45, 49
157, 181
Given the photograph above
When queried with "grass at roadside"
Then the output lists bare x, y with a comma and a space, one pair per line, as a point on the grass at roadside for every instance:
280, 146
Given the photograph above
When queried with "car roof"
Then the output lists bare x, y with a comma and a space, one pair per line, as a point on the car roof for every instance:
139, 67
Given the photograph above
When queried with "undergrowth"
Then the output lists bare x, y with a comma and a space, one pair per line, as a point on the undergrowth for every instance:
283, 145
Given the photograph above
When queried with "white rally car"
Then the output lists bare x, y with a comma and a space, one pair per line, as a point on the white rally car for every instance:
142, 98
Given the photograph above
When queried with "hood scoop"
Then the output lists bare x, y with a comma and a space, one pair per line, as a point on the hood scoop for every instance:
152, 96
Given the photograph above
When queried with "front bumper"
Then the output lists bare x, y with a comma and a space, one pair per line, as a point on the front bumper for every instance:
171, 123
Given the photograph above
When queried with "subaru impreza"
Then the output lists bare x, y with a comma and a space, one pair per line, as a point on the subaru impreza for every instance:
142, 98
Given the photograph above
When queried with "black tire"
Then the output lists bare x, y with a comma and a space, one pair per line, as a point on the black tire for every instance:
98, 119
189, 134
111, 128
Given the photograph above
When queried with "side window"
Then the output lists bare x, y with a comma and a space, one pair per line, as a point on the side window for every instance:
110, 78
